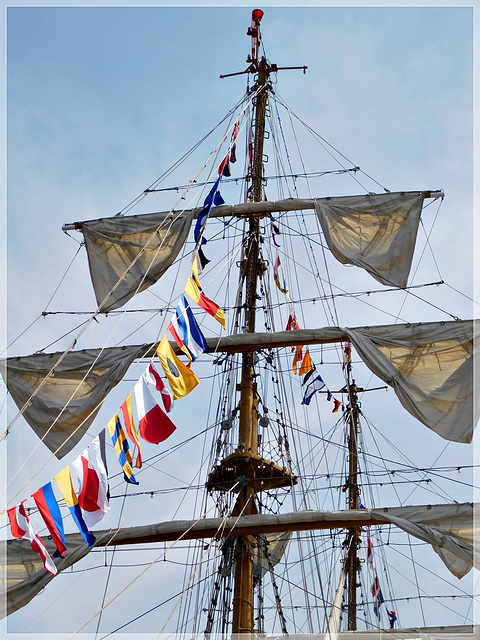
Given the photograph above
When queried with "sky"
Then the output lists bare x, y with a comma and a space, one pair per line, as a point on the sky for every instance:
100, 101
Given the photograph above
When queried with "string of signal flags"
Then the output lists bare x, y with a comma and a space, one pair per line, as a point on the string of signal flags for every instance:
302, 364
84, 483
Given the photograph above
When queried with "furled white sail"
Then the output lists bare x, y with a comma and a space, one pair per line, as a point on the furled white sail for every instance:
376, 232
450, 529
335, 617
23, 575
430, 367
447, 527
269, 552
61, 411
128, 254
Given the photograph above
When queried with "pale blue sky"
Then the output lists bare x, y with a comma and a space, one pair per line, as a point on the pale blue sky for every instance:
101, 101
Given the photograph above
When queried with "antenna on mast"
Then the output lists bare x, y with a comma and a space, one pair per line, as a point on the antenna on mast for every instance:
254, 31
253, 57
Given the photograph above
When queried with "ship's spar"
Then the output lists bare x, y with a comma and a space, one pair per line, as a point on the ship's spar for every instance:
243, 599
244, 471
245, 461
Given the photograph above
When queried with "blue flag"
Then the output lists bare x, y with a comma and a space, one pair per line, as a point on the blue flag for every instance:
312, 387
186, 331
212, 198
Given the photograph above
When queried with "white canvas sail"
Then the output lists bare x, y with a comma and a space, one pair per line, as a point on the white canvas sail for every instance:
375, 232
449, 528
333, 626
429, 366
62, 409
127, 255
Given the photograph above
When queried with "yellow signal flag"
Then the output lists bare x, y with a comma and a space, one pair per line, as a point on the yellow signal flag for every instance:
182, 380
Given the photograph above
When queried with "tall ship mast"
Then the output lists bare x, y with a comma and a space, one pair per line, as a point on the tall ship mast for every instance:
296, 513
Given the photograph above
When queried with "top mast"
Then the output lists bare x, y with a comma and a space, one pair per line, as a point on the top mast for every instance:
352, 564
243, 600
245, 471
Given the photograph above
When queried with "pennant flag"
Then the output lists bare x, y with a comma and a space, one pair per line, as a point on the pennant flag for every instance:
64, 481
375, 586
312, 387
132, 429
153, 377
378, 600
199, 263
194, 291
292, 323
175, 333
153, 423
122, 448
308, 375
337, 405
186, 332
377, 595
347, 356
50, 511
224, 168
329, 396
91, 474
277, 279
369, 552
275, 231
181, 379
233, 156
207, 205
21, 527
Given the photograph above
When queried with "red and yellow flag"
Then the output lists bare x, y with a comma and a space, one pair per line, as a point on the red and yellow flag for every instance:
194, 291
131, 428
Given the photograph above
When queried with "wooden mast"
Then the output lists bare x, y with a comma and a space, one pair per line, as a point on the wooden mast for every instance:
244, 470
243, 600
352, 563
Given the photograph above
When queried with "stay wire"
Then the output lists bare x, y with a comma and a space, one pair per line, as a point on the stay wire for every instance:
64, 276
170, 170
427, 244
78, 631
334, 313
45, 313
423, 473
109, 573
157, 606
326, 144
89, 321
